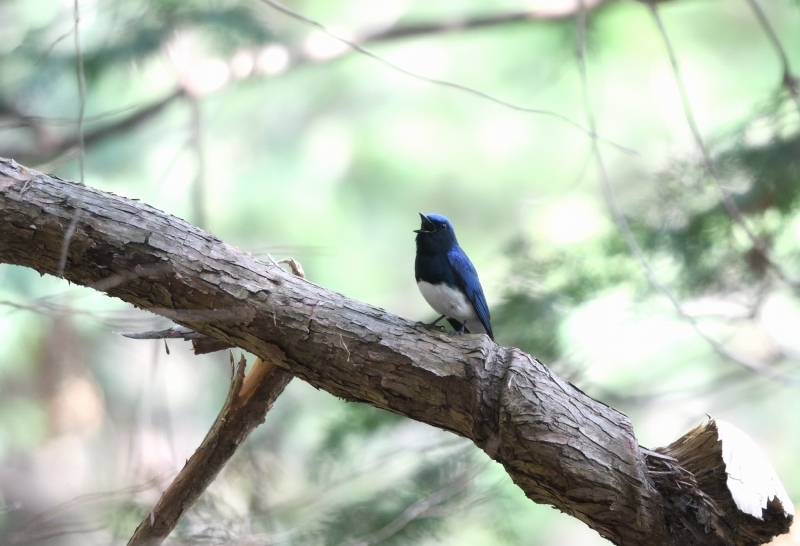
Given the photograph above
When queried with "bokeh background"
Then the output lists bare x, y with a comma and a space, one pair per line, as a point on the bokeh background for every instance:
657, 272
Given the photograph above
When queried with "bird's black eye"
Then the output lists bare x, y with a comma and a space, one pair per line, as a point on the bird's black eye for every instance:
443, 226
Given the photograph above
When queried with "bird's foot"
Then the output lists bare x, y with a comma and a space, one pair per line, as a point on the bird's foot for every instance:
430, 325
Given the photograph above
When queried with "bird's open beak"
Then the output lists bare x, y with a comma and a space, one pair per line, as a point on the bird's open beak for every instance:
427, 225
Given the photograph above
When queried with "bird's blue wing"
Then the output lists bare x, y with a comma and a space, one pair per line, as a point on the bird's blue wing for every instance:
467, 279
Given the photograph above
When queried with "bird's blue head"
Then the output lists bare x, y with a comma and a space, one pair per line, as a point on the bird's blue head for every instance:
435, 235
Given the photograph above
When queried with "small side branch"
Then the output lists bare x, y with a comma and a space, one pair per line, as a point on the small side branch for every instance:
249, 399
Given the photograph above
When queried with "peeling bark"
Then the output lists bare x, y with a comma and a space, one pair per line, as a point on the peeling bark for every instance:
560, 446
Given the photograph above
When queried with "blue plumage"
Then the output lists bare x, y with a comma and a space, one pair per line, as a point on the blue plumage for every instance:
447, 279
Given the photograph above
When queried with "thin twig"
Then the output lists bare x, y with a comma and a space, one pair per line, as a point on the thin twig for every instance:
39, 527
62, 262
788, 80
20, 119
196, 143
423, 508
435, 81
53, 44
81, 89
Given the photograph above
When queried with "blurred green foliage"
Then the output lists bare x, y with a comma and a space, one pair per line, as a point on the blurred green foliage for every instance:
283, 143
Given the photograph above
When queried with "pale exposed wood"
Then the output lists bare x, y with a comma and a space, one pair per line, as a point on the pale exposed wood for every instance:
559, 445
751, 480
711, 461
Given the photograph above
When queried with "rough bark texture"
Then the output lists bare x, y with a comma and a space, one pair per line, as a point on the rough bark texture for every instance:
558, 444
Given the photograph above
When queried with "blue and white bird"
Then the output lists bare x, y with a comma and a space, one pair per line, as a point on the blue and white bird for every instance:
447, 279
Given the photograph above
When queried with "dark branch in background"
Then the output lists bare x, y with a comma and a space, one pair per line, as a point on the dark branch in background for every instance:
624, 228
46, 148
427, 507
145, 114
759, 246
788, 79
48, 524
471, 23
442, 83
558, 445
46, 151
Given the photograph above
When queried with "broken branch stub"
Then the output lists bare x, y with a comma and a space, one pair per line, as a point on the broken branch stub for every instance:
721, 478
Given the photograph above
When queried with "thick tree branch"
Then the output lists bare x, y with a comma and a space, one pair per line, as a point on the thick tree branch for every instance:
558, 444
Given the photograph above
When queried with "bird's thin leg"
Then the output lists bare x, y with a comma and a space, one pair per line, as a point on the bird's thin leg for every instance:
458, 327
435, 321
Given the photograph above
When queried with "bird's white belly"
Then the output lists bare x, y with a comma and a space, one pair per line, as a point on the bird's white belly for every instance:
449, 302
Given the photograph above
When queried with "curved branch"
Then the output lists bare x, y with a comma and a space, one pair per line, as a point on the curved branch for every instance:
559, 446
52, 146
